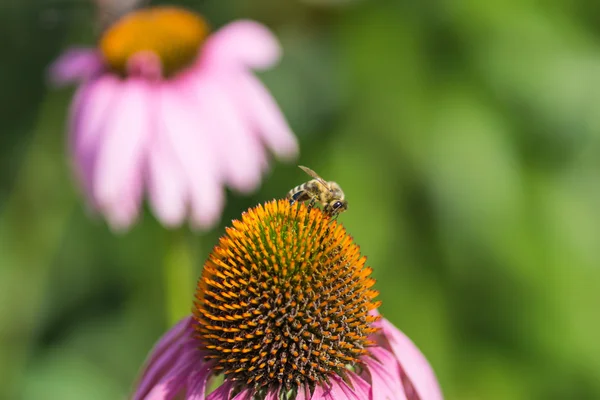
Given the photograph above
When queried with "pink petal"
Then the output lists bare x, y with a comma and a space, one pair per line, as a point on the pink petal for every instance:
166, 186
175, 367
160, 392
91, 108
360, 386
259, 107
385, 375
170, 385
197, 384
164, 390
223, 392
189, 139
242, 42
121, 215
75, 65
175, 379
341, 390
243, 395
122, 153
303, 393
166, 179
412, 362
331, 392
163, 356
241, 155
272, 395
319, 393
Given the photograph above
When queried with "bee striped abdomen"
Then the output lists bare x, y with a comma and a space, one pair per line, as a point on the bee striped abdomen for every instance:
299, 193
304, 192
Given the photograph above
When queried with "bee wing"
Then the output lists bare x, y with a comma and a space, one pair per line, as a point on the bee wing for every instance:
314, 175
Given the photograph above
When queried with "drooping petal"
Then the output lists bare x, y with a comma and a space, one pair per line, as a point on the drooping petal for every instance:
243, 395
122, 214
207, 197
223, 392
166, 186
166, 355
303, 393
385, 375
171, 384
246, 43
264, 115
412, 362
174, 379
339, 390
91, 108
197, 384
168, 182
360, 386
166, 389
272, 395
239, 152
123, 150
75, 65
319, 393
163, 356
190, 140
330, 391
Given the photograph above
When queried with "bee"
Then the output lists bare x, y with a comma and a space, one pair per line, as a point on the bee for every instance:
328, 194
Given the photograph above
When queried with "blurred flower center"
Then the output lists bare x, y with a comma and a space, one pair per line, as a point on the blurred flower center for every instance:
284, 299
163, 38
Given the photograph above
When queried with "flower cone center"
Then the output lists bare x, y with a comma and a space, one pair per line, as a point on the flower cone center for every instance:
172, 34
284, 299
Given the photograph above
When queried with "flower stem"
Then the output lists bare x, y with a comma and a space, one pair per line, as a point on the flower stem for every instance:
179, 274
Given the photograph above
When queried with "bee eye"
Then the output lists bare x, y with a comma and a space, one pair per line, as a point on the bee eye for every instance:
337, 204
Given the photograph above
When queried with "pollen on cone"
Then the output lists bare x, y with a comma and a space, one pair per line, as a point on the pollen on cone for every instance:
284, 298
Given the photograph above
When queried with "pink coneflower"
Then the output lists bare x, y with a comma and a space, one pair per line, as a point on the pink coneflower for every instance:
166, 108
285, 310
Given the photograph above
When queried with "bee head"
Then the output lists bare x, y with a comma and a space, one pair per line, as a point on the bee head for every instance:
337, 206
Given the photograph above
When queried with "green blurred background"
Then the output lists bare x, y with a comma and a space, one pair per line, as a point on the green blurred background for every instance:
466, 135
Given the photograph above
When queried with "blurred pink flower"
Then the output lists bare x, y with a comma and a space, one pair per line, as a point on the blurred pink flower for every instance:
395, 369
167, 109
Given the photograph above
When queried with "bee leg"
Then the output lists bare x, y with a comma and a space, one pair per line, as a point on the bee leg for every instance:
311, 204
329, 211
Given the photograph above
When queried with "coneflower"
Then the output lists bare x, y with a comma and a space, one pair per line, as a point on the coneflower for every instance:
168, 109
285, 309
